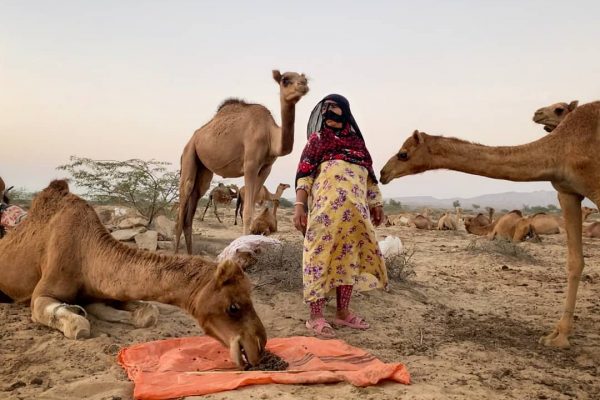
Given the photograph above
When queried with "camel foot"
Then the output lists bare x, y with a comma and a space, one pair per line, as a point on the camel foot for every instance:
144, 316
556, 339
75, 327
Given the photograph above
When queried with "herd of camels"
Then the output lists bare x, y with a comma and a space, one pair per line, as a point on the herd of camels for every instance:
62, 254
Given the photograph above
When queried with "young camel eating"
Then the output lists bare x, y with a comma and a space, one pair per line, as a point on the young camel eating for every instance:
62, 255
567, 157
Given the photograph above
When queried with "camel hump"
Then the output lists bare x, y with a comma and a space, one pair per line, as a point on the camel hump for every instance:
59, 185
230, 102
518, 212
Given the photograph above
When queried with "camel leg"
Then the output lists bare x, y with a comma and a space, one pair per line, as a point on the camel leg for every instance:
67, 318
136, 313
206, 208
216, 212
251, 183
571, 206
187, 179
239, 208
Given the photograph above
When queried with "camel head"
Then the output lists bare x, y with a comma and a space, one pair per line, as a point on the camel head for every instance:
412, 158
233, 189
586, 211
224, 310
292, 86
550, 116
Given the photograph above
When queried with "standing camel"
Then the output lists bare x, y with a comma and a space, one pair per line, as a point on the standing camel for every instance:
221, 194
567, 157
241, 140
263, 195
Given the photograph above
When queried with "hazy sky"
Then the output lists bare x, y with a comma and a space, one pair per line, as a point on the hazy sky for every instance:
129, 79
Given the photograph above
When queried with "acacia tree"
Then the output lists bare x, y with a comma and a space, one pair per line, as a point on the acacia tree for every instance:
147, 186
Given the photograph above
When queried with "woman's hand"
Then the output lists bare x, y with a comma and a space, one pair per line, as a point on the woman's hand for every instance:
377, 215
300, 219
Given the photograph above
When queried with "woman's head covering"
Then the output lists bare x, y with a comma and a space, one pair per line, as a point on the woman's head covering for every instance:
315, 122
325, 143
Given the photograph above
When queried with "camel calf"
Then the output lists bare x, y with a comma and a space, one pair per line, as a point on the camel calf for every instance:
62, 255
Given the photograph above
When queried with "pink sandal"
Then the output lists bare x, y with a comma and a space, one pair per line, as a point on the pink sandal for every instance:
352, 321
318, 327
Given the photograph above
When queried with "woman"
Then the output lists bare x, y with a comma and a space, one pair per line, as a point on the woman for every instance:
340, 248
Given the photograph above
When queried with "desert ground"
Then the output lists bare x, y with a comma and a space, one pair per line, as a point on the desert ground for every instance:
462, 313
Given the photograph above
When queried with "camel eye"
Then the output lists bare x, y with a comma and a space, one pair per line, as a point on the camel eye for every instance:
285, 81
233, 310
559, 111
402, 155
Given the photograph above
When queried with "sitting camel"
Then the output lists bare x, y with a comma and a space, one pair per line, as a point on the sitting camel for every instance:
567, 157
544, 224
421, 221
552, 115
265, 222
221, 194
513, 226
480, 224
449, 223
592, 230
263, 195
62, 255
242, 139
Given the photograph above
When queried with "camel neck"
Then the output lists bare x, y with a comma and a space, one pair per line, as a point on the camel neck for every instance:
288, 116
133, 274
534, 161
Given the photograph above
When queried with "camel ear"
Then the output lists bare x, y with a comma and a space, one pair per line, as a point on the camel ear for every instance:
227, 272
418, 136
573, 105
277, 75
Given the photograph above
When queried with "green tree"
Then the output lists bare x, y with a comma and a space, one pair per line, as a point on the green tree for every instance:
475, 206
456, 203
147, 186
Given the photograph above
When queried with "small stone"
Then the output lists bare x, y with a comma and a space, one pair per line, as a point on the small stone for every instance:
37, 381
16, 385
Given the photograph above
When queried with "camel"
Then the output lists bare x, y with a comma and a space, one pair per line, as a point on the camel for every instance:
263, 195
592, 230
449, 223
514, 227
481, 224
421, 221
265, 223
221, 194
552, 115
241, 140
567, 157
62, 255
545, 224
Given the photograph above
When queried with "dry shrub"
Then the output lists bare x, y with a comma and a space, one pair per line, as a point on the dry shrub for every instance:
401, 267
279, 266
500, 246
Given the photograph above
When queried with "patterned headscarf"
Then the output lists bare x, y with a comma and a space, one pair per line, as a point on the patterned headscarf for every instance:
325, 143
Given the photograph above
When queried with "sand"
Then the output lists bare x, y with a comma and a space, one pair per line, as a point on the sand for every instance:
466, 324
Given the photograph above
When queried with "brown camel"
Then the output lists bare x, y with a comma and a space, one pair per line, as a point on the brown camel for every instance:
513, 226
62, 255
592, 230
552, 115
421, 221
545, 224
241, 140
221, 194
263, 195
480, 224
567, 157
265, 222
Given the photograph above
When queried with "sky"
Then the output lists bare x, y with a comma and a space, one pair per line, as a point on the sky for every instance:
128, 79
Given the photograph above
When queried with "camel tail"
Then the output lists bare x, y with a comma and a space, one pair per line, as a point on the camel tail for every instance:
187, 182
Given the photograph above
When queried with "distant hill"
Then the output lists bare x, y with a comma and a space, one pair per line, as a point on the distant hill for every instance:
507, 200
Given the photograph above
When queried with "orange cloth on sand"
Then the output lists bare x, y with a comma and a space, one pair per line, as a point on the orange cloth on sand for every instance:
165, 368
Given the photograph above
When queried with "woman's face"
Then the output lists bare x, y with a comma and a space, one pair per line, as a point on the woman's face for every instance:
333, 107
